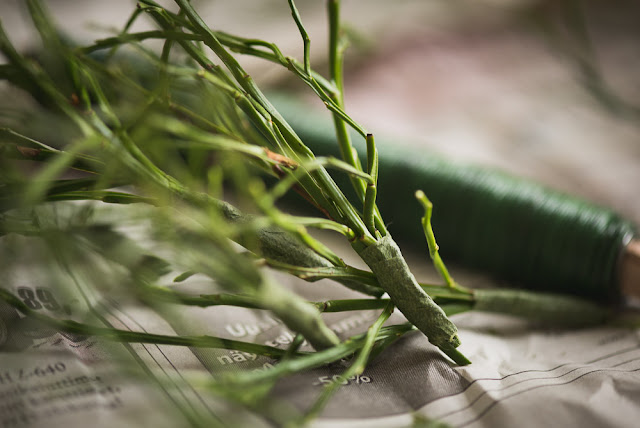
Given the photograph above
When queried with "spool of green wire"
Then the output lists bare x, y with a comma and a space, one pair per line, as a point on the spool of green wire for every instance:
508, 227
512, 228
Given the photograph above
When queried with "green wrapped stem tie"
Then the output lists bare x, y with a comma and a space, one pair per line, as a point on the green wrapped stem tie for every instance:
553, 309
386, 261
276, 244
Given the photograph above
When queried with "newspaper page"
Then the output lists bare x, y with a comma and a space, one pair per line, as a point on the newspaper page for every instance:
522, 374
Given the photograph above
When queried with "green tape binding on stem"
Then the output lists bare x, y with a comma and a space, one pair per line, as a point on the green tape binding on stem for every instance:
276, 244
386, 261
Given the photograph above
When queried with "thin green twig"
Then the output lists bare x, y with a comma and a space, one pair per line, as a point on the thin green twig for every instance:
356, 367
431, 242
116, 335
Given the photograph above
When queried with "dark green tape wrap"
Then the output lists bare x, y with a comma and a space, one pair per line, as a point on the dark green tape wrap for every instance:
386, 261
276, 244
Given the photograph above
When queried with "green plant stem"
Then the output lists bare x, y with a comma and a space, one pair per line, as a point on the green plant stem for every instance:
319, 184
367, 280
132, 18
195, 118
347, 213
316, 359
553, 309
272, 243
347, 151
295, 313
372, 304
305, 37
275, 246
246, 301
69, 326
431, 242
371, 192
335, 73
125, 38
293, 347
204, 300
262, 119
236, 44
356, 367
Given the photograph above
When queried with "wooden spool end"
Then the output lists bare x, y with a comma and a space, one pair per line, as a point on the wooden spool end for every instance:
630, 270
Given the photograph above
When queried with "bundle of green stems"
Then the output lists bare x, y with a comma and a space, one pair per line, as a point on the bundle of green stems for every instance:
176, 131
